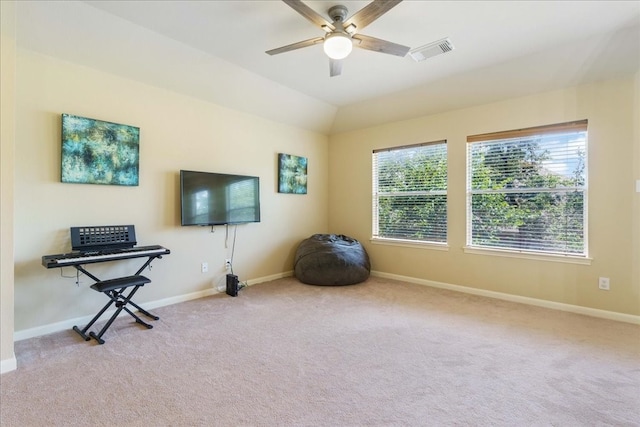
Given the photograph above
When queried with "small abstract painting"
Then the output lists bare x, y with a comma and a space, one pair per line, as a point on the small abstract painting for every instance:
98, 152
292, 174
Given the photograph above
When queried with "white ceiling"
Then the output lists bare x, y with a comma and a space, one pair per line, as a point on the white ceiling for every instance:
502, 49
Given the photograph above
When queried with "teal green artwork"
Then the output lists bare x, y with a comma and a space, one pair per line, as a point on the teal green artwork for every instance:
98, 152
292, 174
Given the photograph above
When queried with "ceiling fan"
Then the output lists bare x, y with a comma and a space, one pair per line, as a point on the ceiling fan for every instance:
342, 34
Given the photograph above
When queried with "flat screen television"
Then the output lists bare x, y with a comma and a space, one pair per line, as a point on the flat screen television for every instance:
208, 198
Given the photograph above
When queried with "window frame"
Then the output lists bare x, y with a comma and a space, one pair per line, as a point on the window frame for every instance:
376, 194
542, 254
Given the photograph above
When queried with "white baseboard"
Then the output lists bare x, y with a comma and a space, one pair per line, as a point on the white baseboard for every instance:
594, 312
269, 278
8, 365
68, 324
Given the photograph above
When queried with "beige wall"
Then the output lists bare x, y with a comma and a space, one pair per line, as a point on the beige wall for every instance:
635, 258
177, 132
7, 138
609, 107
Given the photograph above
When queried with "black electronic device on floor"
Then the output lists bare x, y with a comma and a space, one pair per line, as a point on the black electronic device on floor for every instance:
232, 285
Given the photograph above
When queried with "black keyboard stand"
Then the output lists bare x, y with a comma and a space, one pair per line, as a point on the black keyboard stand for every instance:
114, 289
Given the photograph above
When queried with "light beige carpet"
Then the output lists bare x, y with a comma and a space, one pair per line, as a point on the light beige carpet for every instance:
380, 353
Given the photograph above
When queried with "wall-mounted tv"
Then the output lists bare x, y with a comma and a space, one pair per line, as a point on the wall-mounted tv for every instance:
208, 198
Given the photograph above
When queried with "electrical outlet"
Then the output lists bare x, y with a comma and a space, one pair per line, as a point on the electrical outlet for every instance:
227, 264
204, 267
603, 283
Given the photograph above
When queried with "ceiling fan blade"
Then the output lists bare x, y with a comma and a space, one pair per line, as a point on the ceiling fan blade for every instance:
378, 45
294, 46
313, 16
370, 13
335, 67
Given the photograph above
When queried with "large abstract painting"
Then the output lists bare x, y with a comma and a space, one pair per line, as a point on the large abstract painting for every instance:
98, 152
292, 174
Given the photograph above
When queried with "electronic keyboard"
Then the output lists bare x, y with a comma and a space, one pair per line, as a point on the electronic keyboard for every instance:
93, 244
87, 257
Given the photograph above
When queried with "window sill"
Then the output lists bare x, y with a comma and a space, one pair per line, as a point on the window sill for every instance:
410, 244
570, 259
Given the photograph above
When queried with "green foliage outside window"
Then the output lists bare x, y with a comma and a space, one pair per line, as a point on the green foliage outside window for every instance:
524, 194
411, 194
528, 194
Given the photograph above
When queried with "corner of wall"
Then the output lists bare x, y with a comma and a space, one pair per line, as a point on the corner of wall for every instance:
636, 203
8, 365
7, 144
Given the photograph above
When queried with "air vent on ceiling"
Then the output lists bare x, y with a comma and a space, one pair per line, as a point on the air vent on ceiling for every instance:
432, 49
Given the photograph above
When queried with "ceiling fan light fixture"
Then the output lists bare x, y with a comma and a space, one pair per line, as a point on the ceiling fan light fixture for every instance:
337, 45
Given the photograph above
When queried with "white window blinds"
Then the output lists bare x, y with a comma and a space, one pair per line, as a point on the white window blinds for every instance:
527, 189
410, 193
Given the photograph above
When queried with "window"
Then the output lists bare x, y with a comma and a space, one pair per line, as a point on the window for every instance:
527, 190
410, 193
241, 200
